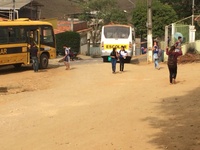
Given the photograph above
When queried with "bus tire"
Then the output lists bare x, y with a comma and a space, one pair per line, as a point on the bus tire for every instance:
105, 59
44, 61
17, 65
128, 59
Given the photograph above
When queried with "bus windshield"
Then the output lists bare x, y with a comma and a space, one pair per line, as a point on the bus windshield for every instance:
116, 32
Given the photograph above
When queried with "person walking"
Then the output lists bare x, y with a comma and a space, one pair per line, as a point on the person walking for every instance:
34, 57
114, 57
156, 57
67, 57
122, 57
172, 63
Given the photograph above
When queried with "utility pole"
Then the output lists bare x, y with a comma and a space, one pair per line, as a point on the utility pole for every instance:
13, 9
192, 12
192, 27
149, 30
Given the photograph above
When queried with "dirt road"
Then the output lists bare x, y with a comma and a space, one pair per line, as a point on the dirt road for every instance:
89, 108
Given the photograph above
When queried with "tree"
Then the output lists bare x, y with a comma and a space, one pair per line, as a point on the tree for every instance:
183, 8
116, 16
100, 12
162, 15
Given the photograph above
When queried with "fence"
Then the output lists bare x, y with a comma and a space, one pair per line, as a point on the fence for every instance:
184, 29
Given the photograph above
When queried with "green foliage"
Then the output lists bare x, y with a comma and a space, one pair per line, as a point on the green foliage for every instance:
100, 12
70, 39
183, 8
139, 19
106, 10
116, 16
162, 15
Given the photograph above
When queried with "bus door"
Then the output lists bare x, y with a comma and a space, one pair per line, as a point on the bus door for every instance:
33, 37
38, 41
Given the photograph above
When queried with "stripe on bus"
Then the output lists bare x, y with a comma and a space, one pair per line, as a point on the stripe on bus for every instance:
118, 46
14, 50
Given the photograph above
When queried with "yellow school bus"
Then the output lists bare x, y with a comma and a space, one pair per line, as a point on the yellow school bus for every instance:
17, 35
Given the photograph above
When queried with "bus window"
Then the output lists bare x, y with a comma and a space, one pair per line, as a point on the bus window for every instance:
48, 38
3, 36
32, 36
116, 32
47, 35
11, 35
20, 33
16, 35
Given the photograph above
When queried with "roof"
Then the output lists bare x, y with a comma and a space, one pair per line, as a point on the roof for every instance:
120, 25
62, 9
8, 4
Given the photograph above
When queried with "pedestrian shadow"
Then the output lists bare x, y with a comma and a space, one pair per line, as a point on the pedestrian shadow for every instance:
53, 66
119, 72
178, 122
11, 69
135, 61
162, 68
72, 68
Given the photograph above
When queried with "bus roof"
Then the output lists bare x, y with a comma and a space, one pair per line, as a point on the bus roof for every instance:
23, 22
110, 25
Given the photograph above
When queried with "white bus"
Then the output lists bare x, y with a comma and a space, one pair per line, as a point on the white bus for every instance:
116, 36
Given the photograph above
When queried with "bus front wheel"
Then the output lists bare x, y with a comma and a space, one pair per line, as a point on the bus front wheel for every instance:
44, 61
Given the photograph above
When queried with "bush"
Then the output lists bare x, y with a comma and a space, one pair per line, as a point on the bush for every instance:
70, 39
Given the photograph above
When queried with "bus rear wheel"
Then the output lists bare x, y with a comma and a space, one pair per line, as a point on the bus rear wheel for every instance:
128, 60
105, 59
44, 61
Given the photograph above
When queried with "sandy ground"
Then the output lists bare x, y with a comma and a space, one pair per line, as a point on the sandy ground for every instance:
89, 108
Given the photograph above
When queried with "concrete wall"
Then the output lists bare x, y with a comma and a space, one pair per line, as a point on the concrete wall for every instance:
195, 45
84, 49
185, 47
93, 51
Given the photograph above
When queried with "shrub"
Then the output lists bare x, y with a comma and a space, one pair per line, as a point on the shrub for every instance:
70, 39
